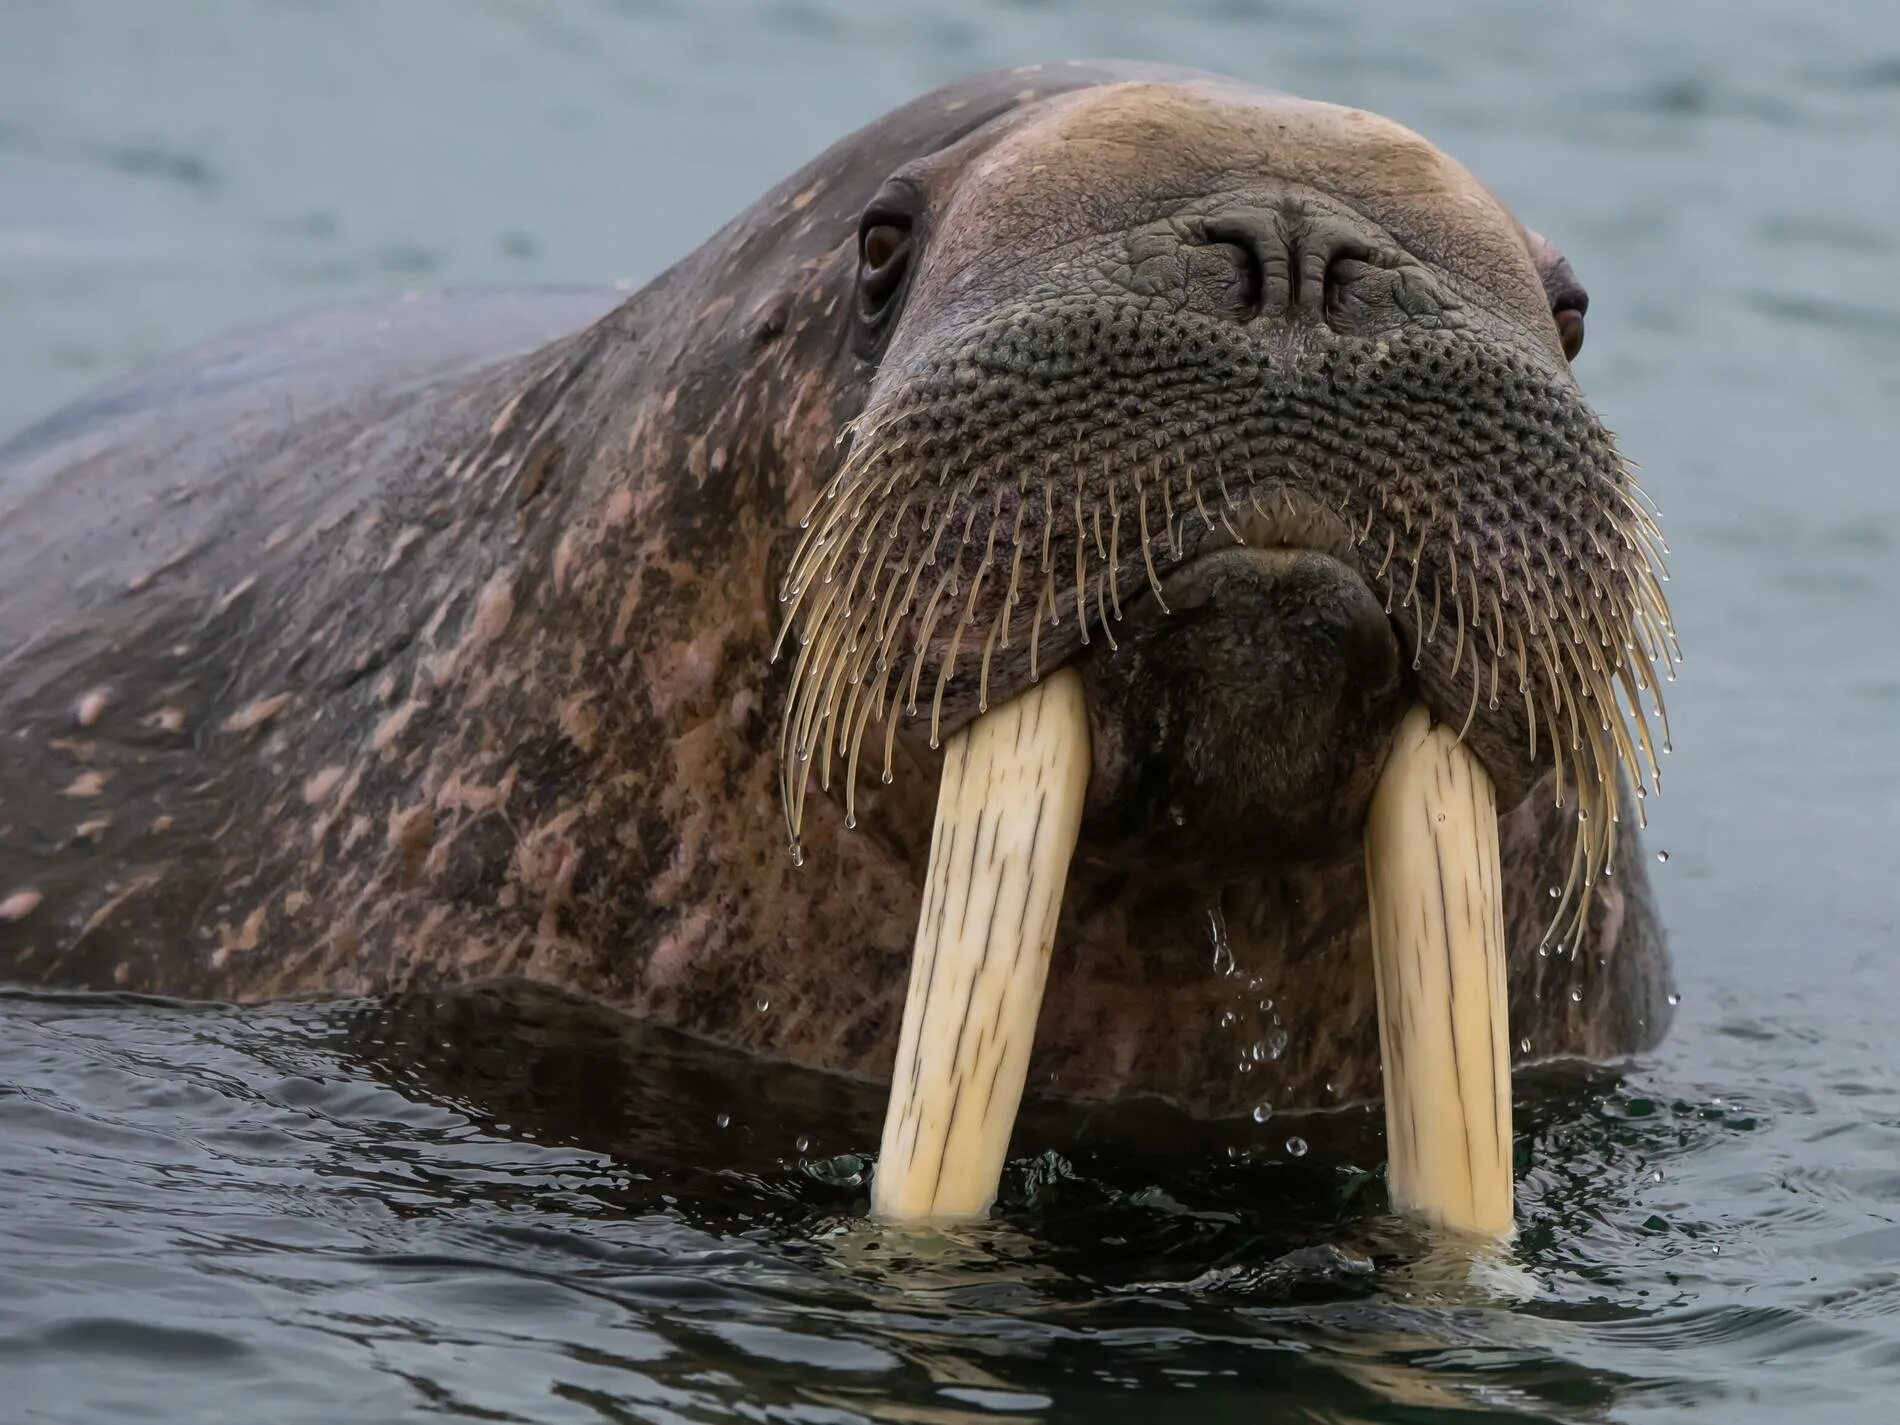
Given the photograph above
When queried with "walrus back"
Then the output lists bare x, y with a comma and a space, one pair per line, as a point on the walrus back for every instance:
133, 523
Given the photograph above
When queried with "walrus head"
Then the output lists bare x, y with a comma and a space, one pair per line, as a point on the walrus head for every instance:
1251, 421
1259, 412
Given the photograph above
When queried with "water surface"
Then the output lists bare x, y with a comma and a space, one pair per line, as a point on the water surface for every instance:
488, 1208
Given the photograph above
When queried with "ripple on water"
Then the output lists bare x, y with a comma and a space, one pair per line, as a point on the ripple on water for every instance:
492, 1203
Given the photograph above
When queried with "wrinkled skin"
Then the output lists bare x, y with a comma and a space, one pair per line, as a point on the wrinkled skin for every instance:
425, 646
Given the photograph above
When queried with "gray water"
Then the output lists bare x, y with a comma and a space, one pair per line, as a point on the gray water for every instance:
504, 1211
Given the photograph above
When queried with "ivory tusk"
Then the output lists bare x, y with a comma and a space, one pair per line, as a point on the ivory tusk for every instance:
1437, 911
1008, 812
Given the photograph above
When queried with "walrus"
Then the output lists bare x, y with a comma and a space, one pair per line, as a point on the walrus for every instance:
434, 642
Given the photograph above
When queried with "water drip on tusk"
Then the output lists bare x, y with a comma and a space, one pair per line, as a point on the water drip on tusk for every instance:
1008, 811
1437, 914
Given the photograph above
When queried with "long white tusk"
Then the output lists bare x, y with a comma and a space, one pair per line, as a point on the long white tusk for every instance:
1438, 956
1008, 812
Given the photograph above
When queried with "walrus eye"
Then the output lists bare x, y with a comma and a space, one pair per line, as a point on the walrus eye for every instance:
1570, 330
883, 260
1568, 303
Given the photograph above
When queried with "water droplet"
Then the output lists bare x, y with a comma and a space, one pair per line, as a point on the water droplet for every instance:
1227, 1018
762, 1004
1554, 893
1296, 1146
724, 1120
1223, 950
804, 1144
1257, 1051
1576, 996
1662, 856
1276, 1044
844, 1171
1673, 998
850, 821
1262, 1112
1441, 816
1524, 1045
886, 778
1655, 1175
1266, 1004
1494, 705
1177, 816
1582, 815
1416, 665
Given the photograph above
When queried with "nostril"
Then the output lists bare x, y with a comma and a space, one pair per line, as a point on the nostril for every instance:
1297, 261
1342, 297
1249, 280
1259, 260
1224, 278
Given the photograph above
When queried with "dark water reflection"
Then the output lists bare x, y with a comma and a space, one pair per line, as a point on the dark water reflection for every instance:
505, 1205
503, 1208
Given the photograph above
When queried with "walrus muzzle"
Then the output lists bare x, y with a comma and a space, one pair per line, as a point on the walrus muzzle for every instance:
1011, 804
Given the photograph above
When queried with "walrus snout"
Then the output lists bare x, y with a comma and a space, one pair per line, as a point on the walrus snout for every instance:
1248, 722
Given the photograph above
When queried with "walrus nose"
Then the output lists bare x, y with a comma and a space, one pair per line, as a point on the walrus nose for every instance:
1293, 252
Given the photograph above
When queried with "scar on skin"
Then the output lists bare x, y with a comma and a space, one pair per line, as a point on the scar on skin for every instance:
87, 784
505, 417
494, 607
245, 938
258, 713
623, 617
236, 593
564, 561
91, 706
320, 784
400, 546
20, 904
410, 832
393, 726
578, 721
105, 912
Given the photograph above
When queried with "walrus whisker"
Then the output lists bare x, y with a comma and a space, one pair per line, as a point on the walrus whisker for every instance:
1391, 543
1081, 567
1526, 599
1148, 558
1014, 593
1200, 506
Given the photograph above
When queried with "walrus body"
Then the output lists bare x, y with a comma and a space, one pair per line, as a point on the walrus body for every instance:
424, 645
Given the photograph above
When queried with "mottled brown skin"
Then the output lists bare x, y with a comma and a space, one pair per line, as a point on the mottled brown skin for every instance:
430, 645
